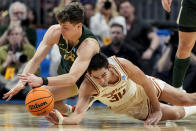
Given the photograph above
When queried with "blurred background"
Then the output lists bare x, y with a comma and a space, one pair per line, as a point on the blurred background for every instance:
138, 30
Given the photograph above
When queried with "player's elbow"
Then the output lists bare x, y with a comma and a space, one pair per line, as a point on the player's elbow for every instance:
72, 80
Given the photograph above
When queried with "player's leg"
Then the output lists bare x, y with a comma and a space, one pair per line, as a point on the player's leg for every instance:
182, 60
63, 108
60, 94
172, 112
187, 37
177, 97
176, 112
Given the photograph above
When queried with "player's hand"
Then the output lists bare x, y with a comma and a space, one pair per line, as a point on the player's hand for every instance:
55, 117
166, 5
153, 117
33, 80
14, 91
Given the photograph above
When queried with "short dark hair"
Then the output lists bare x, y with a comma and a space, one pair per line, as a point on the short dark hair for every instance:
117, 25
123, 1
73, 13
98, 61
89, 3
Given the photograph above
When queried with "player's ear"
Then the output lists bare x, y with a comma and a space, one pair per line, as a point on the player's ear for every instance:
109, 66
79, 25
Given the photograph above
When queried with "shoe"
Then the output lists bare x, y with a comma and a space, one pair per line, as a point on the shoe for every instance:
71, 109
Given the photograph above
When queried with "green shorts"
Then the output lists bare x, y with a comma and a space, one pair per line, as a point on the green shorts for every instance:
187, 16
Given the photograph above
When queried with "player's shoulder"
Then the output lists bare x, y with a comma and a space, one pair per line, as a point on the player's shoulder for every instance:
124, 62
89, 44
53, 33
90, 41
121, 60
55, 29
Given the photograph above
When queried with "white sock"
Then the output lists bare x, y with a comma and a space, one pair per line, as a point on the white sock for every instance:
181, 88
69, 109
189, 110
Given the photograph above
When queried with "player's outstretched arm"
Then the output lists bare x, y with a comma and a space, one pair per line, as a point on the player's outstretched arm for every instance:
85, 52
166, 5
49, 39
135, 74
84, 102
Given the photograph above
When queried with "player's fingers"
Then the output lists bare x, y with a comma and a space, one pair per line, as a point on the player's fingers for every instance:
10, 97
21, 75
6, 94
53, 115
146, 122
50, 119
149, 121
24, 81
29, 74
156, 121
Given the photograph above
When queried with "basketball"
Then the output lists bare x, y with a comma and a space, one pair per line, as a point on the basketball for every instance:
39, 101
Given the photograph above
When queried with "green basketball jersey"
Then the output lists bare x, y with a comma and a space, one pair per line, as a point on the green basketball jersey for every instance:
187, 16
68, 56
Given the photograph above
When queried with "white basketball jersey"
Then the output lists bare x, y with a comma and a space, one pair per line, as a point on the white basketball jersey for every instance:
123, 91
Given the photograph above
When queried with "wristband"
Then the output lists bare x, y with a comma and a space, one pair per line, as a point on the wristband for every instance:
60, 117
45, 80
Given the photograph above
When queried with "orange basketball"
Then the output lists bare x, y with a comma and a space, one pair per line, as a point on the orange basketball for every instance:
39, 101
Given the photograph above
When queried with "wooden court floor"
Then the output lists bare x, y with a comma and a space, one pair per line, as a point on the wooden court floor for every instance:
16, 118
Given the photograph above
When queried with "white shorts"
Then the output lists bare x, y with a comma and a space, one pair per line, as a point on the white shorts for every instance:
158, 85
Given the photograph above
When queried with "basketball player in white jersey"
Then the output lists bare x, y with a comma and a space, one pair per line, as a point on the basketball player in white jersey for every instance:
123, 87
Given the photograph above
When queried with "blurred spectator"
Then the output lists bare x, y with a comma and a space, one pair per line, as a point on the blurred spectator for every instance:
13, 57
18, 16
146, 41
31, 16
106, 13
89, 9
3, 16
118, 47
164, 67
61, 5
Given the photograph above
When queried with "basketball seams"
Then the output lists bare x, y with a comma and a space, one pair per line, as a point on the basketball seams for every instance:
39, 102
45, 106
38, 99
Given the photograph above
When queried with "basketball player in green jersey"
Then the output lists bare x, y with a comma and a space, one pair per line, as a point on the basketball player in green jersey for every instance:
125, 89
76, 44
187, 38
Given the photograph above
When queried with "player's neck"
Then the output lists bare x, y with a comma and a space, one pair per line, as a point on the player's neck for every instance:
114, 78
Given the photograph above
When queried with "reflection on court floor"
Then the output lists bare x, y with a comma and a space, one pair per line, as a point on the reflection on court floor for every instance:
16, 118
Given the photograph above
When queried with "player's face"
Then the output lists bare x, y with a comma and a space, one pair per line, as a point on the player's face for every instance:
101, 76
69, 31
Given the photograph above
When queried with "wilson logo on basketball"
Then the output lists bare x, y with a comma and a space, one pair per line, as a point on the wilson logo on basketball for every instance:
37, 105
